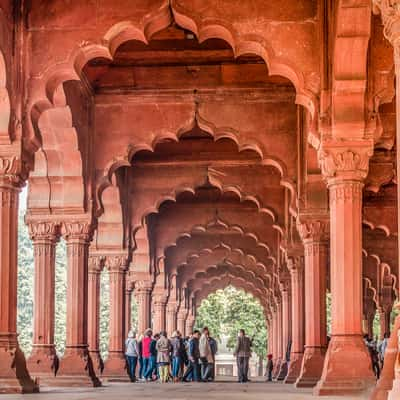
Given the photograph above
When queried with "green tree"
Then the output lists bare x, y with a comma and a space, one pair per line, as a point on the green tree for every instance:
226, 311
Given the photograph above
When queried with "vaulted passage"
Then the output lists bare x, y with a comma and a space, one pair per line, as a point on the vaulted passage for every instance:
174, 148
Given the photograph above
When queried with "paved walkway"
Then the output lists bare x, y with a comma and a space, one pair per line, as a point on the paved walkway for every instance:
182, 391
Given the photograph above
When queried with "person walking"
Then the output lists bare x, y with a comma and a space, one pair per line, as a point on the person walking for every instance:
243, 353
178, 350
131, 353
270, 367
163, 347
193, 356
146, 353
382, 348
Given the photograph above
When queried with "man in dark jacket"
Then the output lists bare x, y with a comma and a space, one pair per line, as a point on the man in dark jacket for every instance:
242, 354
194, 356
178, 350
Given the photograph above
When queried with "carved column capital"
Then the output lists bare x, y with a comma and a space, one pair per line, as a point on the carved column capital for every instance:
95, 264
117, 263
77, 230
341, 162
171, 308
295, 264
44, 230
313, 230
143, 287
160, 301
10, 172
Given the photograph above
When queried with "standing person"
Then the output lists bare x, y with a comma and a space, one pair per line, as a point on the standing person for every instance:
193, 356
151, 372
131, 353
214, 349
205, 355
270, 367
140, 356
178, 350
163, 356
146, 353
242, 354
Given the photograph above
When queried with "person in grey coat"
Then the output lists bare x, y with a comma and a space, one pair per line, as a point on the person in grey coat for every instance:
243, 353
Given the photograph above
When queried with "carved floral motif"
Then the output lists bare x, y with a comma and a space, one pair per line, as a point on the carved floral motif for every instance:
47, 230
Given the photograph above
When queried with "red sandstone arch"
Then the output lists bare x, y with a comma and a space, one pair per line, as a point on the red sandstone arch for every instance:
205, 258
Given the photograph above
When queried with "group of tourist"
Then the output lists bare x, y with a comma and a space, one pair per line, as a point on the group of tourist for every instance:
377, 349
154, 356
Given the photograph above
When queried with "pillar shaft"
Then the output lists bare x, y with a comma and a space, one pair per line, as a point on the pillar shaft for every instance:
180, 321
171, 318
313, 233
43, 359
76, 367
94, 312
115, 364
159, 307
279, 341
347, 366
14, 376
297, 283
128, 311
285, 286
189, 325
143, 296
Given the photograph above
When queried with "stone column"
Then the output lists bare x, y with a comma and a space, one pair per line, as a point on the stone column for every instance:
285, 288
388, 383
159, 307
95, 266
114, 367
171, 318
295, 266
347, 366
43, 362
279, 341
274, 337
76, 367
314, 235
189, 325
384, 321
14, 376
128, 311
143, 296
180, 320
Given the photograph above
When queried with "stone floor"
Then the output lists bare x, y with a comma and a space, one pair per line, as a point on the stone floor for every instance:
221, 390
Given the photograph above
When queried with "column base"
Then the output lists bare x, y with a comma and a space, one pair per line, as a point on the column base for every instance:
97, 361
311, 368
394, 394
347, 368
283, 370
115, 368
14, 375
294, 367
76, 369
43, 363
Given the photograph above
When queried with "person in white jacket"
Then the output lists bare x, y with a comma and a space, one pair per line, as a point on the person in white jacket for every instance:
206, 356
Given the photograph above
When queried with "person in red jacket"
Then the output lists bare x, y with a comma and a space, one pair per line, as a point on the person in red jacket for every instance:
146, 352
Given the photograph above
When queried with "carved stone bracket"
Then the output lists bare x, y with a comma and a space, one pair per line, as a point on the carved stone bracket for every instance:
10, 172
390, 12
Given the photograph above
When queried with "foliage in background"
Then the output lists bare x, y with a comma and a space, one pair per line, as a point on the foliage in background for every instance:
226, 311
104, 313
